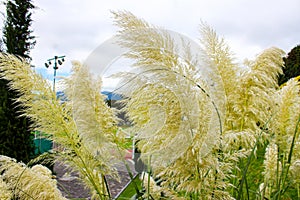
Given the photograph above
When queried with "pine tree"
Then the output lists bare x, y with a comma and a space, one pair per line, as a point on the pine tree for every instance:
17, 32
15, 134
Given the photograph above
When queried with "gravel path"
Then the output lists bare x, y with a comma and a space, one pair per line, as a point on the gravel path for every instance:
72, 187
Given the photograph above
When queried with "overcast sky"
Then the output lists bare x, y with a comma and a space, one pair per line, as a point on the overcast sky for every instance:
74, 28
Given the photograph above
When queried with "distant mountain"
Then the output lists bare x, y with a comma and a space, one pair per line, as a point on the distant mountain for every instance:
110, 96
61, 96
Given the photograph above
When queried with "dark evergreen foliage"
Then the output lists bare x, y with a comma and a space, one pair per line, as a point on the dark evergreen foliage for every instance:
16, 139
16, 33
291, 65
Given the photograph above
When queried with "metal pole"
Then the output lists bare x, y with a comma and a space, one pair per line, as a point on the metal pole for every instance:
55, 68
54, 75
56, 59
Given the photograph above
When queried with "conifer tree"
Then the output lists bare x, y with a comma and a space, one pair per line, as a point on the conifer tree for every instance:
15, 137
17, 33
